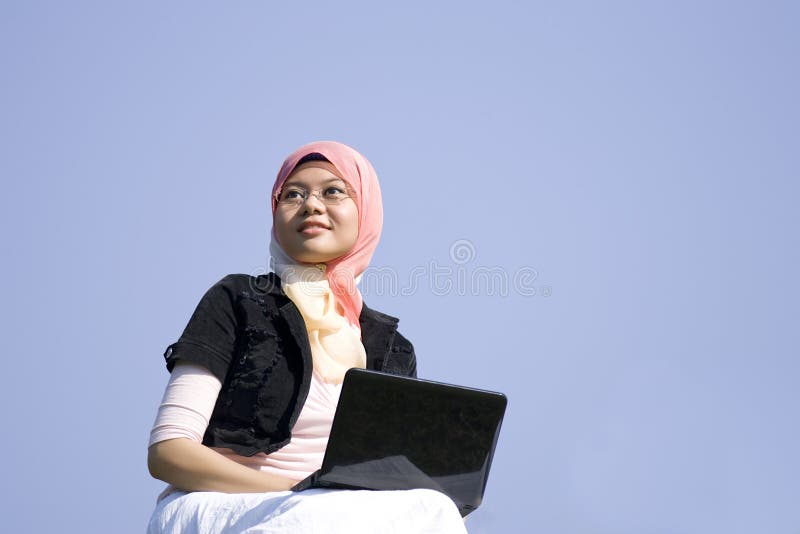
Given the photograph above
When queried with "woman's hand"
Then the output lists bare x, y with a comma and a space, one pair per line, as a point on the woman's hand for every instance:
192, 466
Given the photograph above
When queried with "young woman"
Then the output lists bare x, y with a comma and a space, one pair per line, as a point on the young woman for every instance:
256, 374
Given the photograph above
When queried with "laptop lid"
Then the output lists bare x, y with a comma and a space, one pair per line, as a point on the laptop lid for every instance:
393, 432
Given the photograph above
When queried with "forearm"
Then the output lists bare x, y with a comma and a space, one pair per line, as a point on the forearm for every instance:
192, 466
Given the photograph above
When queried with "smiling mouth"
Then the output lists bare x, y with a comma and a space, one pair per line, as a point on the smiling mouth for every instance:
313, 229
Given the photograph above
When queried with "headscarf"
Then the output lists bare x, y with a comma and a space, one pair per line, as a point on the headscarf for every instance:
313, 288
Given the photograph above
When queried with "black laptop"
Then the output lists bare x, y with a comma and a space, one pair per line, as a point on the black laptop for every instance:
392, 432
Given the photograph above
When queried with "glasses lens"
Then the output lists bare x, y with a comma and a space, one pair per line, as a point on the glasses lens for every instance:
294, 196
291, 195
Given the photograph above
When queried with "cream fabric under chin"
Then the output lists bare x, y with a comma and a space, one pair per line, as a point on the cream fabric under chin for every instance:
335, 344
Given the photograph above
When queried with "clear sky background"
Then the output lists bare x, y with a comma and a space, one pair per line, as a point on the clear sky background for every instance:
629, 169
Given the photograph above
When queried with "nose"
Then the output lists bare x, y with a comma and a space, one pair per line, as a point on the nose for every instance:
313, 204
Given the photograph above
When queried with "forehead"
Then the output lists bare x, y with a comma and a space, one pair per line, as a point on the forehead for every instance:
314, 172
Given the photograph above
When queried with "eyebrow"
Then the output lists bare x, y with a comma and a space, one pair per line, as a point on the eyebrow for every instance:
324, 182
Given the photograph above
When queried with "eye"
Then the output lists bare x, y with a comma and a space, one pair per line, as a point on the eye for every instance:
292, 193
335, 191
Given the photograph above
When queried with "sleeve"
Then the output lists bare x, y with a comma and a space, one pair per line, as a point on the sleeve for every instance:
412, 363
209, 338
187, 404
405, 358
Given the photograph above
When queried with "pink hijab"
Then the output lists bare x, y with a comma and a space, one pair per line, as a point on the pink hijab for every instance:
359, 174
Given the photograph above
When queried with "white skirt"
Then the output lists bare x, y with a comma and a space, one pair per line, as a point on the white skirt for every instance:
312, 511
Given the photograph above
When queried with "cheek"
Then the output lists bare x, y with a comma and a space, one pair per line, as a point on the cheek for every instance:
281, 225
352, 228
352, 235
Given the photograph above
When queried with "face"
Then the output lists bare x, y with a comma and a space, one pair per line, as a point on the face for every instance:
315, 231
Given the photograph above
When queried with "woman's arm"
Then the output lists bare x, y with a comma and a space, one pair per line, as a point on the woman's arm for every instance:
189, 465
176, 453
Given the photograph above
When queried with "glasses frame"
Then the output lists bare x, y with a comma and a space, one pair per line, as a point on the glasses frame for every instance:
349, 193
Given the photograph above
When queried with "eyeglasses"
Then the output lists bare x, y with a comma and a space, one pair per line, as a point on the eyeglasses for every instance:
296, 196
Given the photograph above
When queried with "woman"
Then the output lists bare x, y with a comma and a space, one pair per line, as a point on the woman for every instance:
256, 374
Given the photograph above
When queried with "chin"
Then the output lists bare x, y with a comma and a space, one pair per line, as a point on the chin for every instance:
313, 257
319, 252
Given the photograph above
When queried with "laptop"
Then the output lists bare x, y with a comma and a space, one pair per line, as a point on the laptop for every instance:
392, 432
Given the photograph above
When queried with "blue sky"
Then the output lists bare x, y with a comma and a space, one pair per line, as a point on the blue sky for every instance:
636, 161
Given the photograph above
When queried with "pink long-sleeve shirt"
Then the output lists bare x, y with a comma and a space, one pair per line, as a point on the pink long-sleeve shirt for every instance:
189, 400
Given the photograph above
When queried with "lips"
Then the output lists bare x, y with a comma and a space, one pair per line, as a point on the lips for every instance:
313, 226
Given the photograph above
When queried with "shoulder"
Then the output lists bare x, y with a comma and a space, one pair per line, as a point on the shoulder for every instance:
400, 357
233, 287
372, 317
261, 284
402, 343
